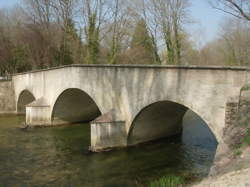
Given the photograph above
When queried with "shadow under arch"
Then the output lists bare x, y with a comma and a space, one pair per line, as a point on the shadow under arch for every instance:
74, 105
25, 98
159, 120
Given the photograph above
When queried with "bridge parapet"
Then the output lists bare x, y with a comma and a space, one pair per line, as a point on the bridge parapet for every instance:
133, 66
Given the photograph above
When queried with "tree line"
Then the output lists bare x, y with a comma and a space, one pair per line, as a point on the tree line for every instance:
46, 33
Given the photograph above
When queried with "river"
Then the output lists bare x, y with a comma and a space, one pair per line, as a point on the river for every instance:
59, 156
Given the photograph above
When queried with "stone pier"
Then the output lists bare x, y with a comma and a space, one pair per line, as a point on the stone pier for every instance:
107, 133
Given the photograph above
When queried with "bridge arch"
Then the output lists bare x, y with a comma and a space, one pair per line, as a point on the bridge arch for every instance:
74, 105
25, 97
158, 120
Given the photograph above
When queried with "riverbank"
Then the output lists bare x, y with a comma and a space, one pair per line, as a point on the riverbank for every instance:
233, 167
233, 170
236, 172
233, 179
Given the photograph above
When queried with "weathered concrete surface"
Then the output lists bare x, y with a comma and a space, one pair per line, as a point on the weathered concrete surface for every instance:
38, 113
107, 133
129, 89
7, 97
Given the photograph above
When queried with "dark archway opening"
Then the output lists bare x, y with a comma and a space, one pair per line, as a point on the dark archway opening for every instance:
166, 119
179, 132
74, 105
25, 98
156, 121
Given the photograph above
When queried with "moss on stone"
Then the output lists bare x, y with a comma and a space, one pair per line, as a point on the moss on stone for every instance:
247, 138
246, 87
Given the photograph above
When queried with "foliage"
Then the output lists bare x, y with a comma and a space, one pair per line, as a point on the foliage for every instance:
42, 34
63, 56
19, 59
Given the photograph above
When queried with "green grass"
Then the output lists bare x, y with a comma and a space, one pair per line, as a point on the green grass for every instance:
168, 181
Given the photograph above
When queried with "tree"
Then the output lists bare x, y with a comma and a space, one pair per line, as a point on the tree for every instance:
19, 59
94, 14
118, 30
235, 42
13, 53
142, 43
70, 43
237, 8
165, 20
232, 46
40, 23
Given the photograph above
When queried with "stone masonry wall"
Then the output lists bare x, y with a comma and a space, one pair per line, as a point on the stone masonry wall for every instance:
237, 119
244, 108
7, 97
237, 123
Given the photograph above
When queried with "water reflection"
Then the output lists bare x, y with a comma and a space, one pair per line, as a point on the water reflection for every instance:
58, 156
198, 144
196, 132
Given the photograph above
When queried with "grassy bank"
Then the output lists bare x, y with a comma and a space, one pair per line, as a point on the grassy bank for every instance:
168, 181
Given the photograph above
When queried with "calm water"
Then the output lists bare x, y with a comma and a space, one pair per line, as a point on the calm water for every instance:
58, 156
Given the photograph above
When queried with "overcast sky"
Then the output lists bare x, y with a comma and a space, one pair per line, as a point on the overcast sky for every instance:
205, 26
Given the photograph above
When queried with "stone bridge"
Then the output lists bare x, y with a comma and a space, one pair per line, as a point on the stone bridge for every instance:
128, 104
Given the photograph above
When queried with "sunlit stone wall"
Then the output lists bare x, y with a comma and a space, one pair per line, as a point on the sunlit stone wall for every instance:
7, 97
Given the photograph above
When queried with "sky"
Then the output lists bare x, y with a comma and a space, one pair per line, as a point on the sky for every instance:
204, 26
206, 21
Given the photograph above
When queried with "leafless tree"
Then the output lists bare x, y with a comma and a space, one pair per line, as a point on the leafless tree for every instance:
95, 14
40, 24
237, 8
168, 18
117, 33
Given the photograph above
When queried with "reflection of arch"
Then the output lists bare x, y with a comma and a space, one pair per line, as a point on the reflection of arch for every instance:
195, 131
157, 120
74, 105
24, 99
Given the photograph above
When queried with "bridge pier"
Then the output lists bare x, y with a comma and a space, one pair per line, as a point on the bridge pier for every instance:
38, 113
107, 132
